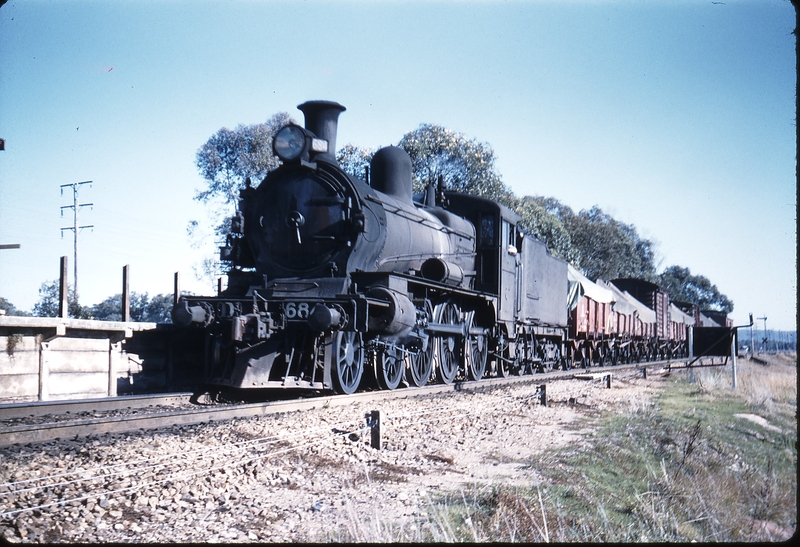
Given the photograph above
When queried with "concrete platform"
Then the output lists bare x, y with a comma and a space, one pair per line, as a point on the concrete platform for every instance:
51, 358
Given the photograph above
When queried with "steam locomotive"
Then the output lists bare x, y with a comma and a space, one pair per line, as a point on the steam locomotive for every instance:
337, 283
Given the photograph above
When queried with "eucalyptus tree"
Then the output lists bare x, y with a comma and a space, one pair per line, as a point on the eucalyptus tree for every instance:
49, 300
546, 226
608, 248
142, 308
354, 159
694, 289
230, 157
464, 164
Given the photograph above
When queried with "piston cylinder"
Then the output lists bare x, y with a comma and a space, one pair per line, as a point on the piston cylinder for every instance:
396, 318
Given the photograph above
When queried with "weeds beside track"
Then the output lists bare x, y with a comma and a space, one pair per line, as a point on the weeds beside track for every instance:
706, 463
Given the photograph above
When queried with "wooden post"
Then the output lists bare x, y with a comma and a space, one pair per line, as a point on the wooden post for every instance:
126, 293
733, 359
44, 371
219, 286
607, 381
114, 353
63, 290
541, 391
374, 422
690, 341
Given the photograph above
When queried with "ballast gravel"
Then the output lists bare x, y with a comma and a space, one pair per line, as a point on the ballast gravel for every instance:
302, 476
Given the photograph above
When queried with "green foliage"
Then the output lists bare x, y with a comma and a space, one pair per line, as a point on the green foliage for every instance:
10, 309
354, 159
608, 248
48, 303
226, 162
547, 226
465, 165
694, 289
142, 308
230, 157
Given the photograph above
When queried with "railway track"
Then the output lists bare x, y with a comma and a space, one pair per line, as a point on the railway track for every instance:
82, 418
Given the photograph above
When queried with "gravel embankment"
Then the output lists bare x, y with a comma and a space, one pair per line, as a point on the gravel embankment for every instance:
305, 476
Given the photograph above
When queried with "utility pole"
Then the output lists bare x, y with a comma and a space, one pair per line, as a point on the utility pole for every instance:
765, 332
75, 228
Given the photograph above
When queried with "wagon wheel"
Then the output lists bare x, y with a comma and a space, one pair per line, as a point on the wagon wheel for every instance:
605, 357
448, 347
557, 364
348, 361
586, 357
389, 368
420, 364
476, 351
568, 359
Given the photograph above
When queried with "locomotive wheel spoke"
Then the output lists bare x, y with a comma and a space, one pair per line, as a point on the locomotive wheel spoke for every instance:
390, 368
420, 364
348, 362
503, 368
477, 352
447, 347
504, 356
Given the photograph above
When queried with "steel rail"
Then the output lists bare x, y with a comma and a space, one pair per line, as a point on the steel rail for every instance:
46, 432
73, 406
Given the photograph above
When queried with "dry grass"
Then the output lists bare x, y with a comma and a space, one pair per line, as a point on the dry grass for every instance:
770, 388
690, 469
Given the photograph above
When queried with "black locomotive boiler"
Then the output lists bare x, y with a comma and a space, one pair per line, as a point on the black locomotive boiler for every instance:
337, 282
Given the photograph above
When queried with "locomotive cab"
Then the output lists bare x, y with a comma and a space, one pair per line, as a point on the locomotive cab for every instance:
529, 283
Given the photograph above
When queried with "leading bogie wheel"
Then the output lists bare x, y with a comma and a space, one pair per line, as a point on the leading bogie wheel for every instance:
348, 361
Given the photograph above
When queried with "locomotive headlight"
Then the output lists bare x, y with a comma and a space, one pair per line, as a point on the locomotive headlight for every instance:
289, 143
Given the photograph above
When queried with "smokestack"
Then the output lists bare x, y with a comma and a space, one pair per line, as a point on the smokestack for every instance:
322, 119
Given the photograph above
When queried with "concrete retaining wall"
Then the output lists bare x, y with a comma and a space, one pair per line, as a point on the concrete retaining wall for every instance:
47, 358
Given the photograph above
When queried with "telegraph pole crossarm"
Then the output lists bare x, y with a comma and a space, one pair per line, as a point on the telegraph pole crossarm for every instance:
75, 227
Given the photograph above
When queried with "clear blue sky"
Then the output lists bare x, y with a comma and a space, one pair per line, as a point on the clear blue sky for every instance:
677, 116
